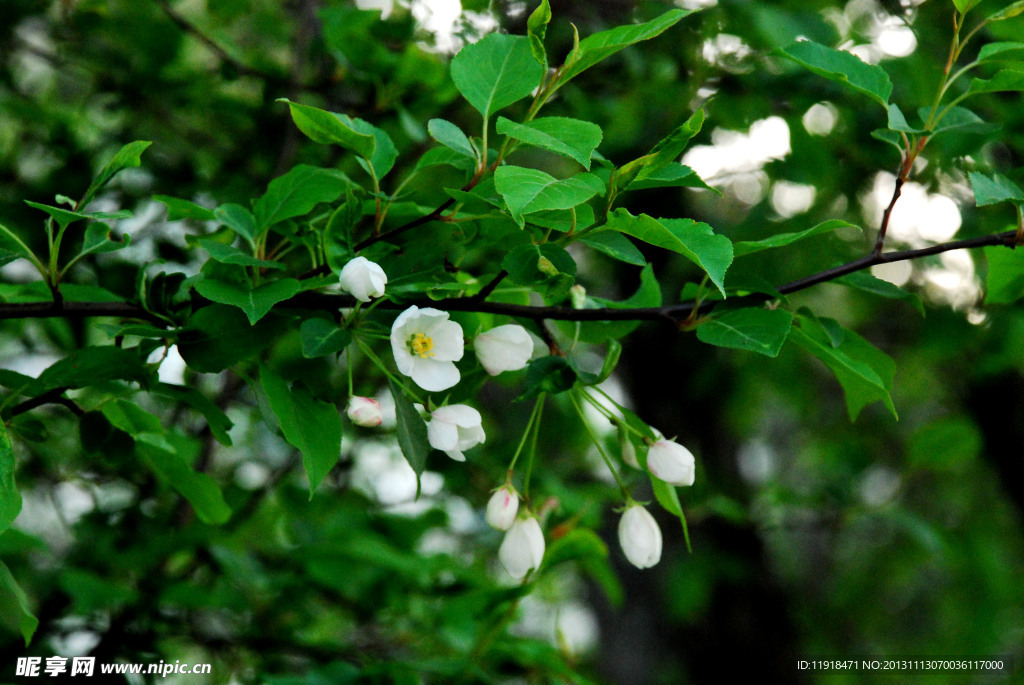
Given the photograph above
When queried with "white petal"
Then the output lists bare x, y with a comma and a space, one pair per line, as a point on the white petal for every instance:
431, 375
456, 455
459, 414
448, 340
523, 547
471, 437
640, 537
442, 435
505, 348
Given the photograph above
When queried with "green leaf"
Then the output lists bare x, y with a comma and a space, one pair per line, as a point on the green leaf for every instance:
297, 192
1004, 283
328, 128
495, 72
615, 245
648, 294
564, 136
955, 117
63, 217
178, 209
255, 302
746, 247
10, 496
437, 156
671, 176
603, 45
216, 419
947, 443
551, 375
128, 156
536, 31
576, 545
228, 254
664, 153
171, 456
218, 336
532, 190
754, 329
98, 240
91, 365
668, 497
990, 190
311, 426
412, 432
1007, 12
965, 5
452, 137
1005, 80
14, 608
238, 219
322, 337
525, 266
384, 153
994, 52
842, 66
865, 372
862, 280
694, 240
898, 122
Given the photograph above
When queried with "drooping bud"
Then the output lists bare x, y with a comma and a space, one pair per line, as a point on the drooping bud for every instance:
522, 550
364, 411
502, 508
640, 536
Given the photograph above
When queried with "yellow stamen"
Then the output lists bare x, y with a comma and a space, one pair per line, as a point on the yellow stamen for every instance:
421, 345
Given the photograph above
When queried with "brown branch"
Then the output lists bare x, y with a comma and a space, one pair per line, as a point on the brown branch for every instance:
54, 396
670, 313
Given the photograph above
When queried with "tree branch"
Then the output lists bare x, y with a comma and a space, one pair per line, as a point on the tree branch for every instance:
670, 313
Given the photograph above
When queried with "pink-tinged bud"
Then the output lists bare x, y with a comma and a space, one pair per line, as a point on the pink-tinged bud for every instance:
640, 537
364, 411
671, 462
523, 547
502, 508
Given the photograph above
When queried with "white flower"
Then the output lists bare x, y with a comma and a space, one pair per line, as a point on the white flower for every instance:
363, 279
640, 537
425, 344
505, 348
523, 547
502, 508
455, 428
364, 411
671, 462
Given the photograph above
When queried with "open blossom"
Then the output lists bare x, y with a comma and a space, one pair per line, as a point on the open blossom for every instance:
671, 462
363, 279
502, 508
640, 536
364, 411
455, 428
523, 547
426, 345
505, 348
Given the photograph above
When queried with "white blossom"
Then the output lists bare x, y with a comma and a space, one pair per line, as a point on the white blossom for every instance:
671, 462
523, 547
455, 428
426, 345
502, 508
639, 536
363, 279
505, 348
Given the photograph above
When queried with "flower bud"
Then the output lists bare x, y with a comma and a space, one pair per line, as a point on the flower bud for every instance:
640, 536
671, 462
454, 428
578, 296
363, 279
364, 411
627, 448
505, 348
502, 508
523, 547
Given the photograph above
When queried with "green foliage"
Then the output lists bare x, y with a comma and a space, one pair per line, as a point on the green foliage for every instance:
838, 65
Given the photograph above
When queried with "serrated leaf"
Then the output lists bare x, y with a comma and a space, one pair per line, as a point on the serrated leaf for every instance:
10, 496
694, 240
412, 433
865, 372
228, 254
562, 135
169, 456
91, 365
1004, 283
754, 329
898, 122
746, 247
98, 240
532, 190
842, 66
255, 302
990, 190
441, 155
1003, 81
671, 176
327, 128
496, 72
615, 245
238, 219
14, 605
452, 137
128, 156
311, 426
384, 152
603, 45
994, 52
666, 151
322, 337
536, 31
862, 280
955, 117
1008, 12
297, 192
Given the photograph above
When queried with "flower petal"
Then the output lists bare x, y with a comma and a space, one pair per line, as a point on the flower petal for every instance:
432, 375
442, 435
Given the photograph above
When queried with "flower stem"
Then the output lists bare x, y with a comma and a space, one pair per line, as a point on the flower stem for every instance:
597, 443
384, 369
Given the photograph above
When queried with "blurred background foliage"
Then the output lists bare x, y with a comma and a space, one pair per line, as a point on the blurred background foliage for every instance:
811, 535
